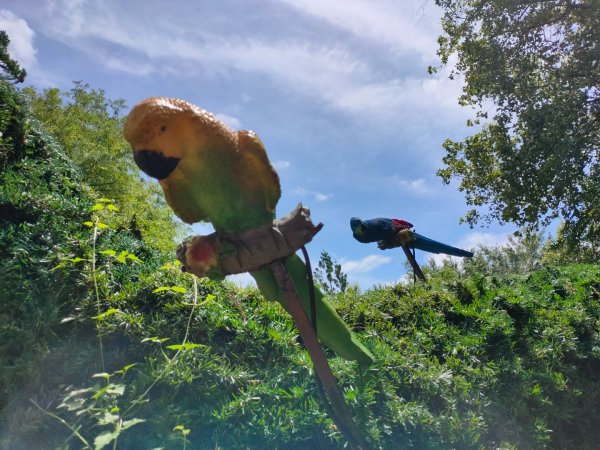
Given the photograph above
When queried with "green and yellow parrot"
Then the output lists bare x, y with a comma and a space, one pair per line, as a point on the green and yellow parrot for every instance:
210, 173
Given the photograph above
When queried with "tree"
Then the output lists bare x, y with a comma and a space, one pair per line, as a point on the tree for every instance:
532, 71
329, 274
10, 68
89, 126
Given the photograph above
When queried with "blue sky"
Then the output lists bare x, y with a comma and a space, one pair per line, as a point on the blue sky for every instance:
338, 92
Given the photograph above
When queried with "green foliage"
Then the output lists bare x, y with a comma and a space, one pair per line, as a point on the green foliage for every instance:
10, 68
534, 67
562, 250
41, 199
89, 127
329, 274
104, 343
519, 255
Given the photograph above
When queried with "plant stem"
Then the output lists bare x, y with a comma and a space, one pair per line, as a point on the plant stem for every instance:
54, 416
174, 358
95, 281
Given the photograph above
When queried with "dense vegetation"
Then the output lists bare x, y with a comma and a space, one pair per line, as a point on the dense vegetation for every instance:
89, 129
103, 341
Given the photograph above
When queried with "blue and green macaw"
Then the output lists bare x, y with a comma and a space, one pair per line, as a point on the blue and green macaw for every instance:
390, 233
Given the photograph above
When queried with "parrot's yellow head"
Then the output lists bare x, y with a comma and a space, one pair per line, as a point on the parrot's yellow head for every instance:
163, 131
207, 171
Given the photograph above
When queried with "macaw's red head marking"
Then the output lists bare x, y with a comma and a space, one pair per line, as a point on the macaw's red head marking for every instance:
400, 224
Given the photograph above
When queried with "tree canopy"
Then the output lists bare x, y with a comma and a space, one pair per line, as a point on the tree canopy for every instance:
11, 70
532, 71
89, 127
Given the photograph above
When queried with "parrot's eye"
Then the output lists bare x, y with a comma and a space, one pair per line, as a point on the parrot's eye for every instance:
154, 163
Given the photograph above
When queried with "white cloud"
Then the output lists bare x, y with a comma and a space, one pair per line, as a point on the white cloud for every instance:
365, 264
340, 76
322, 197
230, 121
403, 26
21, 39
120, 65
281, 165
472, 240
318, 196
418, 186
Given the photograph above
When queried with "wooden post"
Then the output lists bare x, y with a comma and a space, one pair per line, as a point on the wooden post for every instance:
341, 417
413, 263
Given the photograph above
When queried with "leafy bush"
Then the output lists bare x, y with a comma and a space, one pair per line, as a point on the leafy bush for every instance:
104, 342
89, 127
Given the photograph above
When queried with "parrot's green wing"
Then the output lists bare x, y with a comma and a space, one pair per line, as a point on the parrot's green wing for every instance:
331, 329
260, 182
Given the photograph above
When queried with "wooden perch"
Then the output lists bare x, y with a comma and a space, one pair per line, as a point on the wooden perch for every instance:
403, 239
220, 254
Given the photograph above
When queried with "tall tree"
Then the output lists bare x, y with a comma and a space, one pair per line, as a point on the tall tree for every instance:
329, 274
11, 70
532, 70
89, 126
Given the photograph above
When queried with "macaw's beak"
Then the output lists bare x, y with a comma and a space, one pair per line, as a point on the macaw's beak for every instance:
154, 163
358, 229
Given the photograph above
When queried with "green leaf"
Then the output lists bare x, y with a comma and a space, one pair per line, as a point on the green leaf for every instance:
108, 252
186, 346
113, 389
102, 226
134, 258
112, 207
129, 423
101, 375
88, 224
104, 200
176, 289
116, 389
75, 399
155, 339
124, 370
122, 256
97, 207
171, 265
183, 430
108, 418
107, 313
76, 260
62, 264
103, 439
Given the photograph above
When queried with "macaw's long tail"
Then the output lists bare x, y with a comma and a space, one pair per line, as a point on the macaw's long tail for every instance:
421, 242
331, 329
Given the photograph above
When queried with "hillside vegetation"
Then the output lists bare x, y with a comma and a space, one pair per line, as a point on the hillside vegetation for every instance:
105, 343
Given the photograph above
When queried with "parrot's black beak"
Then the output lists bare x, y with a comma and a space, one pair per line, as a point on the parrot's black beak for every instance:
154, 163
358, 229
